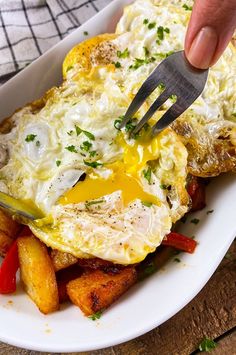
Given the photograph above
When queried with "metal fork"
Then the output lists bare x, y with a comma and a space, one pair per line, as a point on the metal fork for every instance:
179, 79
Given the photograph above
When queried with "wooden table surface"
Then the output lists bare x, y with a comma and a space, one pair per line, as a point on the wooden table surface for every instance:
212, 314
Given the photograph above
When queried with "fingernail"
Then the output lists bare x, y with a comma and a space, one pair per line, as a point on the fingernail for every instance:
203, 48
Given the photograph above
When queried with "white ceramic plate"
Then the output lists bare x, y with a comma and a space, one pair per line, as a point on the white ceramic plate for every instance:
149, 303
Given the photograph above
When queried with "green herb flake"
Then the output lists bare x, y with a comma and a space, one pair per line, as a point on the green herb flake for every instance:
117, 64
195, 221
30, 137
160, 33
145, 21
177, 260
187, 8
124, 54
90, 203
147, 204
148, 174
86, 146
167, 30
70, 133
95, 316
151, 25
89, 135
37, 143
210, 211
93, 164
92, 153
207, 345
86, 33
139, 62
164, 187
78, 130
71, 148
58, 162
161, 86
129, 126
146, 51
117, 124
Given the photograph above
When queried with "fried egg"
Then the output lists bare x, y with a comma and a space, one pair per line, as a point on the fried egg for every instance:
104, 193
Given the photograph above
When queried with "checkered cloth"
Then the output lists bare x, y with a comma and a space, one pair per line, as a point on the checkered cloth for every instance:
30, 27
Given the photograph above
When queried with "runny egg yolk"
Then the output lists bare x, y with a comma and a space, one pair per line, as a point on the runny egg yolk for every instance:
125, 176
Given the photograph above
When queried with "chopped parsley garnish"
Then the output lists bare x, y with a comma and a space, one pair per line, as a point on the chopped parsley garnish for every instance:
117, 64
117, 124
93, 164
86, 33
71, 148
148, 174
129, 125
195, 221
160, 32
210, 211
164, 187
151, 25
124, 54
92, 153
70, 133
139, 62
95, 316
37, 143
187, 8
30, 137
58, 162
163, 55
207, 345
145, 21
86, 146
146, 51
146, 203
177, 260
88, 134
167, 30
90, 203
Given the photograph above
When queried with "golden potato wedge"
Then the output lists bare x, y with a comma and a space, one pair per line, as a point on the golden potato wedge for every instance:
37, 273
81, 53
96, 290
62, 260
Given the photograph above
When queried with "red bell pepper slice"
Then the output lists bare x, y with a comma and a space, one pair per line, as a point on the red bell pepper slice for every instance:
196, 190
8, 270
180, 242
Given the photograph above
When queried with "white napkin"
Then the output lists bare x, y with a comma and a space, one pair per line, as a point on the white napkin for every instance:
30, 27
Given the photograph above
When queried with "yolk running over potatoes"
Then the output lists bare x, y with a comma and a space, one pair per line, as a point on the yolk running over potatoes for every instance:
125, 176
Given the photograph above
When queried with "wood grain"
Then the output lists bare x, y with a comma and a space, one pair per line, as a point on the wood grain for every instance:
210, 314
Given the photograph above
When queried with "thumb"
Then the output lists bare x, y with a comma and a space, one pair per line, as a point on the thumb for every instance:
210, 29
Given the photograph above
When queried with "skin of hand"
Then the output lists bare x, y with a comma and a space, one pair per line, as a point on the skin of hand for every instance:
210, 29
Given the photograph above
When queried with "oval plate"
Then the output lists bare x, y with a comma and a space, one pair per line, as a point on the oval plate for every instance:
149, 303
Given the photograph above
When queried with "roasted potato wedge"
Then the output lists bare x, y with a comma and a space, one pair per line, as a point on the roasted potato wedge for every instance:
96, 290
37, 273
62, 260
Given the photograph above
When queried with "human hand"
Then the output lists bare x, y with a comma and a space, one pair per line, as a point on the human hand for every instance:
210, 29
